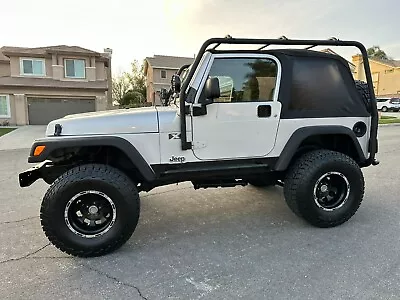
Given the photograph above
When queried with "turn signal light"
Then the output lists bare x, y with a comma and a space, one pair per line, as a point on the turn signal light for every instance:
38, 150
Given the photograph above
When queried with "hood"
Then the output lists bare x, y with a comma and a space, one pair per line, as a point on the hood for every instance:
119, 121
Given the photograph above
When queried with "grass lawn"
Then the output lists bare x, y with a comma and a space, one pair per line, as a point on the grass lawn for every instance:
388, 120
4, 131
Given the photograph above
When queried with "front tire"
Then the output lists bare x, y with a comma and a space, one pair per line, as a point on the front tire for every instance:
90, 210
384, 109
324, 187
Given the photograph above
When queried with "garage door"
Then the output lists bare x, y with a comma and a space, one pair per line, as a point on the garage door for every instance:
41, 111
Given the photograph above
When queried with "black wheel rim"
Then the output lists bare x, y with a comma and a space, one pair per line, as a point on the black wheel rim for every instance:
331, 191
90, 214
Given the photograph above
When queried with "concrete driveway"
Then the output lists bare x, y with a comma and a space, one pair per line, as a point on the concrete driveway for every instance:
232, 243
22, 137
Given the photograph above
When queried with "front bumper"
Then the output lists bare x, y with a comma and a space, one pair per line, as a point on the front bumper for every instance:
29, 176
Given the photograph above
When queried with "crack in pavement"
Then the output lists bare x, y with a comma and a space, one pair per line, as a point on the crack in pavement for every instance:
144, 196
116, 280
29, 256
17, 221
50, 257
25, 256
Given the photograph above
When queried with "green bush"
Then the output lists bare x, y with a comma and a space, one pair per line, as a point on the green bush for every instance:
132, 99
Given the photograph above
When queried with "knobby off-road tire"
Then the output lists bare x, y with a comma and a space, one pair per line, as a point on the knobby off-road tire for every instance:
313, 176
362, 88
97, 194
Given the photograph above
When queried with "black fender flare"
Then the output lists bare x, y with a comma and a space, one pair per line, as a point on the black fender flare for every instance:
301, 134
126, 147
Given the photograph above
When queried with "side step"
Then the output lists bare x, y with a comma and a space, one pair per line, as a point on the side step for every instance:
218, 183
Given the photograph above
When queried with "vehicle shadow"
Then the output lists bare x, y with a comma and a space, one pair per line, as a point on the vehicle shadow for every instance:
187, 213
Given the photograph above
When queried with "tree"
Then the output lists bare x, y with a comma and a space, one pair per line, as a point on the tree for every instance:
120, 86
377, 52
132, 99
129, 89
137, 78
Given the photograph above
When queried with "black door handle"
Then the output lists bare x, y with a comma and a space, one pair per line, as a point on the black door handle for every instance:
264, 111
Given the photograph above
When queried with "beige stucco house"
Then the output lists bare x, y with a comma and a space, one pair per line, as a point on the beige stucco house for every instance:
385, 75
158, 71
38, 85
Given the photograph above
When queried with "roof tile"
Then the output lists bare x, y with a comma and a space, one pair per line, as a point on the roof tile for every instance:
51, 83
48, 49
172, 62
390, 62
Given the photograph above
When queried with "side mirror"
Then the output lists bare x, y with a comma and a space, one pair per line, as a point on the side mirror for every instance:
176, 83
212, 89
163, 94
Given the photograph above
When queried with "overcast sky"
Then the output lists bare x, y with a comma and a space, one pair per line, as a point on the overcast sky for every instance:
135, 29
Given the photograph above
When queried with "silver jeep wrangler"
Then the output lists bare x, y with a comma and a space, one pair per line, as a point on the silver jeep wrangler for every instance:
292, 117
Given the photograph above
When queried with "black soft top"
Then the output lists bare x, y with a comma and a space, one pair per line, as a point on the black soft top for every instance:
314, 84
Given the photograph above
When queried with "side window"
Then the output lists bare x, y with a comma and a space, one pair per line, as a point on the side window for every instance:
245, 79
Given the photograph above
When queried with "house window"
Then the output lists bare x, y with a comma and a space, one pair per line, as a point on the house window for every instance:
5, 111
163, 74
74, 68
32, 67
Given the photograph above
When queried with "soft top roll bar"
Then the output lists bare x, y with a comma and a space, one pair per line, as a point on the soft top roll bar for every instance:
373, 146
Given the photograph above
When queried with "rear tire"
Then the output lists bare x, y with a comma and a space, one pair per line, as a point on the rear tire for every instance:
363, 90
324, 187
90, 210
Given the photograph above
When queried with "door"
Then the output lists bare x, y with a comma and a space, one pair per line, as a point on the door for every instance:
41, 111
243, 121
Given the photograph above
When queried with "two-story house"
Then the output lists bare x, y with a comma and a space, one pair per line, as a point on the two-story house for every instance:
158, 71
385, 75
38, 85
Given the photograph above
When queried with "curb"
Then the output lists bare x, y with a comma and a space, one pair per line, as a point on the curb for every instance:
392, 124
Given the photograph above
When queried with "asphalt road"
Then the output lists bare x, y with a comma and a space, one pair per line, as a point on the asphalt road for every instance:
213, 244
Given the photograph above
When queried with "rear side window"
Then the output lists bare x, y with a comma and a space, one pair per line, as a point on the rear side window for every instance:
245, 79
323, 87
395, 101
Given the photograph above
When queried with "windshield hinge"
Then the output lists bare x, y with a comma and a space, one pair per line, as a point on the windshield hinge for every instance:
187, 109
